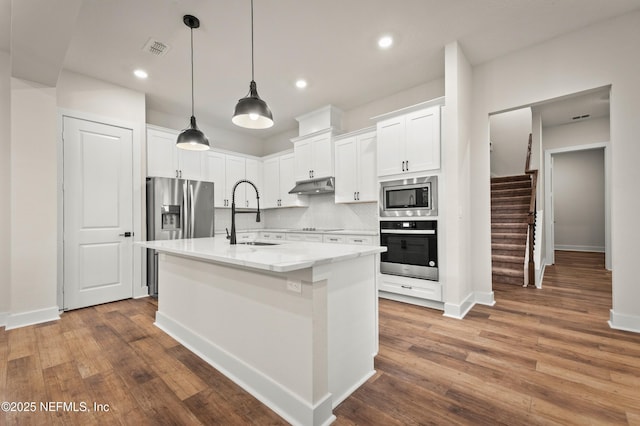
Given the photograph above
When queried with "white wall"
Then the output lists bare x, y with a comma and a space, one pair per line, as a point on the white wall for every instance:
595, 56
218, 138
279, 142
579, 133
509, 132
33, 199
5, 183
454, 207
578, 190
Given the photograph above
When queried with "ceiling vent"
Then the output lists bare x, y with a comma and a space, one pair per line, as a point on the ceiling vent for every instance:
155, 47
580, 117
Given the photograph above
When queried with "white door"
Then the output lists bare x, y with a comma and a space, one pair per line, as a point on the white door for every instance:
215, 171
423, 140
322, 156
162, 155
391, 151
98, 212
190, 163
253, 173
303, 160
271, 193
235, 170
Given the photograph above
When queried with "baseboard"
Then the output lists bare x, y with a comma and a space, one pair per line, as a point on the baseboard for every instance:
285, 403
484, 298
624, 322
411, 300
540, 274
452, 310
39, 316
3, 318
563, 247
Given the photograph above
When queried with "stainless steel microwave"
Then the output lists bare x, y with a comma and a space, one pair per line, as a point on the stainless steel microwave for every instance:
414, 197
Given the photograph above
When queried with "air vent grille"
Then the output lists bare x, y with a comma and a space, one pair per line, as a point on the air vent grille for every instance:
156, 47
581, 117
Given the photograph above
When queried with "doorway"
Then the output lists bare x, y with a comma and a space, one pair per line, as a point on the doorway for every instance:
578, 201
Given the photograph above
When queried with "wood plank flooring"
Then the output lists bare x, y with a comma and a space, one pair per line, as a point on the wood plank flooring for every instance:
537, 357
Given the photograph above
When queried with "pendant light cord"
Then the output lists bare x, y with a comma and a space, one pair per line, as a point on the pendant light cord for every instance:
192, 108
252, 40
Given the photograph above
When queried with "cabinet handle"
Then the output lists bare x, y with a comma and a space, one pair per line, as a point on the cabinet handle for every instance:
354, 196
177, 173
358, 241
403, 166
408, 287
246, 202
358, 195
407, 165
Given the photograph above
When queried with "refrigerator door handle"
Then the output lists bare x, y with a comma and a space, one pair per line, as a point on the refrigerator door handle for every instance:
186, 211
192, 218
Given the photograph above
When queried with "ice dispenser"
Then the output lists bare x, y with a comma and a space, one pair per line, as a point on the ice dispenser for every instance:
170, 217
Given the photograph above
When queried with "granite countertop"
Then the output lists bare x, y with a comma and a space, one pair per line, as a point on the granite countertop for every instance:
283, 257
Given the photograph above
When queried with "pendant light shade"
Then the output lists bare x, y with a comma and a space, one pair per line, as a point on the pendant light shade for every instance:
251, 111
192, 138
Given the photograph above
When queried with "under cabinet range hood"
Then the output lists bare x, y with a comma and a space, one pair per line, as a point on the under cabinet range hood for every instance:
314, 186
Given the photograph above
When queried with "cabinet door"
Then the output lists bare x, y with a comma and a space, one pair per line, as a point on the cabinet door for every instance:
303, 160
322, 156
162, 160
214, 171
234, 172
253, 173
367, 184
288, 181
423, 140
391, 153
271, 183
346, 170
190, 164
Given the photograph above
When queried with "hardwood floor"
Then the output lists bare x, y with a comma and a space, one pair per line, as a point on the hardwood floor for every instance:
537, 357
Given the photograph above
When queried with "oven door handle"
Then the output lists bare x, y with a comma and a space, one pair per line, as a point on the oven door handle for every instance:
411, 232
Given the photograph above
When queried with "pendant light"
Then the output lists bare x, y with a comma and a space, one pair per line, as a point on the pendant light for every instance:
251, 111
192, 138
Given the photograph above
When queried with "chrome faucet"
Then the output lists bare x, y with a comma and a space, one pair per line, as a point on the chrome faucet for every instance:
232, 237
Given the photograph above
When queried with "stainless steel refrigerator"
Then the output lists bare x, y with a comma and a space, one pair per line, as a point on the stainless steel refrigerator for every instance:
176, 209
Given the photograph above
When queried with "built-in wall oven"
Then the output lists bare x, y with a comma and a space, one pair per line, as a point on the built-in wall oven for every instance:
412, 248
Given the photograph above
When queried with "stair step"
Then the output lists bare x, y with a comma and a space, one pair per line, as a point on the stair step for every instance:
504, 238
498, 186
510, 208
519, 260
514, 192
511, 200
505, 279
510, 226
509, 272
504, 218
514, 178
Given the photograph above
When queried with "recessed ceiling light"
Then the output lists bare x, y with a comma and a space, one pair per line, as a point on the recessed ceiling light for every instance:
140, 73
301, 84
385, 42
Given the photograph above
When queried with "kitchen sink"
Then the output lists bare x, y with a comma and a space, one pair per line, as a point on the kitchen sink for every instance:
258, 243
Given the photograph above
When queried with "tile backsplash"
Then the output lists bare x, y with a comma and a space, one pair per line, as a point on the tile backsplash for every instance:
322, 212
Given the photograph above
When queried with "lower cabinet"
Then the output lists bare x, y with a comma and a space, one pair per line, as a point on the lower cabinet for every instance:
413, 287
298, 236
268, 235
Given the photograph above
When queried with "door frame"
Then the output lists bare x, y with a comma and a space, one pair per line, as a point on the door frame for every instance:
139, 290
549, 213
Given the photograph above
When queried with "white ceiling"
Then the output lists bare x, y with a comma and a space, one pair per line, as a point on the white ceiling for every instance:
331, 43
594, 104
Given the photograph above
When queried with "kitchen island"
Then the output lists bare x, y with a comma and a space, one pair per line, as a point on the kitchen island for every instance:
294, 324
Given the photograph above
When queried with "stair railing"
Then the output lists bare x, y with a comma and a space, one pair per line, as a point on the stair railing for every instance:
531, 220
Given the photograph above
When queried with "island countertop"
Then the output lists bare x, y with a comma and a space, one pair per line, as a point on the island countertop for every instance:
282, 257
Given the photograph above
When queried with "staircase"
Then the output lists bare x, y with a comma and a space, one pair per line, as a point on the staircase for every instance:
510, 206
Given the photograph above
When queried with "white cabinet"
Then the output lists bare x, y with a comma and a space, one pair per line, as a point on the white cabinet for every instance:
225, 170
278, 180
164, 159
299, 236
274, 236
409, 143
413, 287
313, 156
355, 163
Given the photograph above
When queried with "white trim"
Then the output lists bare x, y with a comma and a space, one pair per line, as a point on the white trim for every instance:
568, 247
548, 170
540, 273
411, 300
624, 322
459, 311
440, 101
23, 319
484, 298
3, 318
281, 400
137, 134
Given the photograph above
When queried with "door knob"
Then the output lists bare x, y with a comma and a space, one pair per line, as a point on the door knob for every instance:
126, 234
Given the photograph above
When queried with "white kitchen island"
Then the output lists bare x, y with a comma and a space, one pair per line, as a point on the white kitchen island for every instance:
294, 324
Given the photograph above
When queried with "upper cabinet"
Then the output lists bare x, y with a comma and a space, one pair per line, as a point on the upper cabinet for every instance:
355, 164
164, 159
225, 170
278, 181
409, 143
313, 156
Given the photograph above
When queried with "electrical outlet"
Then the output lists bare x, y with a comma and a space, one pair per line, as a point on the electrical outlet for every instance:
294, 286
